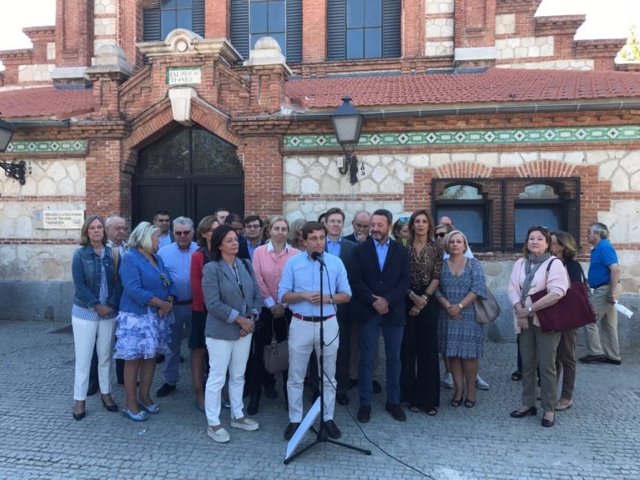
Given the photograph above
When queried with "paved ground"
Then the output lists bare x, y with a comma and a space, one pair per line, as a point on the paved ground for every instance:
599, 438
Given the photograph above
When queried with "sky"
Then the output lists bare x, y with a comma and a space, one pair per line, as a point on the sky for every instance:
605, 18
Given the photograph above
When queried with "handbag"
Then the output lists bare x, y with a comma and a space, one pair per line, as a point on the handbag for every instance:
487, 309
275, 355
574, 310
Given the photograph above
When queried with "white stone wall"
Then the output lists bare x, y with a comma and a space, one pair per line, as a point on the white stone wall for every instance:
506, 24
525, 47
583, 64
102, 7
439, 28
439, 49
35, 73
435, 7
42, 257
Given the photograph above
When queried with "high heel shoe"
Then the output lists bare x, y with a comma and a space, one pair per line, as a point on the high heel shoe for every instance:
530, 411
469, 403
151, 408
548, 423
77, 416
141, 416
109, 408
455, 403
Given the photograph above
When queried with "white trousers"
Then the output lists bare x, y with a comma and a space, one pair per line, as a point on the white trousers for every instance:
86, 335
231, 355
303, 338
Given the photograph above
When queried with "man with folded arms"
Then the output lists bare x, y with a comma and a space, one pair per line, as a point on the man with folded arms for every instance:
300, 289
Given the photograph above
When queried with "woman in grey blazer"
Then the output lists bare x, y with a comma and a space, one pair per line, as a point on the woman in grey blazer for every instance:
232, 297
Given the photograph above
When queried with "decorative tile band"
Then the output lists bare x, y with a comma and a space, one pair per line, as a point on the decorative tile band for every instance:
474, 137
49, 146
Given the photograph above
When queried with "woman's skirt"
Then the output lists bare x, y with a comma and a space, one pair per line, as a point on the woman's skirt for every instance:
142, 336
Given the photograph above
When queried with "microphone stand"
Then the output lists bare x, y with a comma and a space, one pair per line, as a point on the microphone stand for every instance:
321, 433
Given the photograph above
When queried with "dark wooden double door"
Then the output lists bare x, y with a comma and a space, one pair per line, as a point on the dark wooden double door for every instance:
189, 171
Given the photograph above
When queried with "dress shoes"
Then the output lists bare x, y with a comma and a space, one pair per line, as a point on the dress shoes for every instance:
290, 430
396, 412
270, 392
79, 416
109, 407
520, 414
560, 406
332, 429
612, 361
592, 358
342, 399
165, 390
364, 414
254, 403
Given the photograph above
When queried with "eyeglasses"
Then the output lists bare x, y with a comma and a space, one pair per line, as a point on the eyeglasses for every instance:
252, 226
183, 234
441, 234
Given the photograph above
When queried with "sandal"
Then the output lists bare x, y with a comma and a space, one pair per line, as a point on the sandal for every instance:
455, 403
469, 403
516, 376
414, 408
433, 412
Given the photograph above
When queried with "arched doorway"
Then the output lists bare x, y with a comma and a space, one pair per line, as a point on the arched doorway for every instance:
189, 171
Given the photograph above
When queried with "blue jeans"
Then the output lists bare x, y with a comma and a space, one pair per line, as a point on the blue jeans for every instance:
183, 317
369, 332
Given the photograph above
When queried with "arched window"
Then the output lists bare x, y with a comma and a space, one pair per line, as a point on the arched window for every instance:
537, 204
467, 207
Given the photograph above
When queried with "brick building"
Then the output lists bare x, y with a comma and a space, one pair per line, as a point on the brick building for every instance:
473, 108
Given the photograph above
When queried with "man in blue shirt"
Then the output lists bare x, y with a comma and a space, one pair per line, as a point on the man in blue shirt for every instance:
300, 289
604, 277
177, 258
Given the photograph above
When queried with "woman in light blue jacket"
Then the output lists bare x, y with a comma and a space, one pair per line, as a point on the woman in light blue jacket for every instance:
232, 297
95, 306
144, 322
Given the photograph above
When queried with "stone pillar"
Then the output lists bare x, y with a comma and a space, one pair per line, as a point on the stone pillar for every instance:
110, 69
269, 72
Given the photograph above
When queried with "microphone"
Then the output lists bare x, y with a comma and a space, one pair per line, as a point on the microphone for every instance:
318, 257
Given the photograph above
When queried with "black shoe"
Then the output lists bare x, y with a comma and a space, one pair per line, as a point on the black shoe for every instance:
93, 389
592, 358
377, 388
364, 414
254, 403
270, 392
612, 361
530, 411
290, 430
160, 358
332, 429
79, 416
548, 423
165, 390
342, 399
396, 412
110, 408
516, 376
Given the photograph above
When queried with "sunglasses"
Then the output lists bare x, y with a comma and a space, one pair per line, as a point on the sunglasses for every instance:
441, 234
182, 234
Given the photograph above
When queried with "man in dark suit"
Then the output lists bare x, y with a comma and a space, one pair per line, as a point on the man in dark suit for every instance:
379, 279
340, 247
361, 225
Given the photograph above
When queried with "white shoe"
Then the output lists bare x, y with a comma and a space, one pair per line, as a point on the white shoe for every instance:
245, 423
481, 384
220, 435
447, 380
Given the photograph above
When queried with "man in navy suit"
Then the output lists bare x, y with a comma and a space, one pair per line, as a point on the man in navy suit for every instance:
379, 278
337, 245
361, 225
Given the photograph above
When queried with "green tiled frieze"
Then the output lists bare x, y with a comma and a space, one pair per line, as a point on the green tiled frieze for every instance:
474, 137
48, 146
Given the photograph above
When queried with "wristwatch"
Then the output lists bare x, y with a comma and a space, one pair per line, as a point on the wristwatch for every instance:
530, 311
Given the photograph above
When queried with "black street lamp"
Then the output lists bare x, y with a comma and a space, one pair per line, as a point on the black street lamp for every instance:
15, 170
347, 122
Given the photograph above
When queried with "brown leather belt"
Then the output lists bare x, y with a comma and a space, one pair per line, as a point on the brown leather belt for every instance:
312, 319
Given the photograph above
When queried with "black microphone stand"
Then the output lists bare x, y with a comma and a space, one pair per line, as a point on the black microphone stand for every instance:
321, 433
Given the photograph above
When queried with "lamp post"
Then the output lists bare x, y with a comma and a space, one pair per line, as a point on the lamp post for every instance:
15, 170
347, 122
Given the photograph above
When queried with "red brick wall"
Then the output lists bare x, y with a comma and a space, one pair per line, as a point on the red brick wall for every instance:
314, 30
74, 32
263, 174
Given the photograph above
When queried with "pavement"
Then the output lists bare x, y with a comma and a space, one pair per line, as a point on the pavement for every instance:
599, 438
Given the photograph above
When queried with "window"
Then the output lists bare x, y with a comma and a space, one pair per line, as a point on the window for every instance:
495, 214
280, 19
162, 16
358, 29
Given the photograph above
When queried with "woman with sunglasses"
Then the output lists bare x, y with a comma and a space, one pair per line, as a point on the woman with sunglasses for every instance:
563, 246
536, 271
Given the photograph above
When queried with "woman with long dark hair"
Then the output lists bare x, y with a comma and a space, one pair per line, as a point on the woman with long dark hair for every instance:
420, 373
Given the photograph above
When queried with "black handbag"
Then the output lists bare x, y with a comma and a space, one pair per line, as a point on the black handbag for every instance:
276, 354
574, 310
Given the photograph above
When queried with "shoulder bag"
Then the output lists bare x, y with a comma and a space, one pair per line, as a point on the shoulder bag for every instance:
574, 310
276, 354
487, 309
